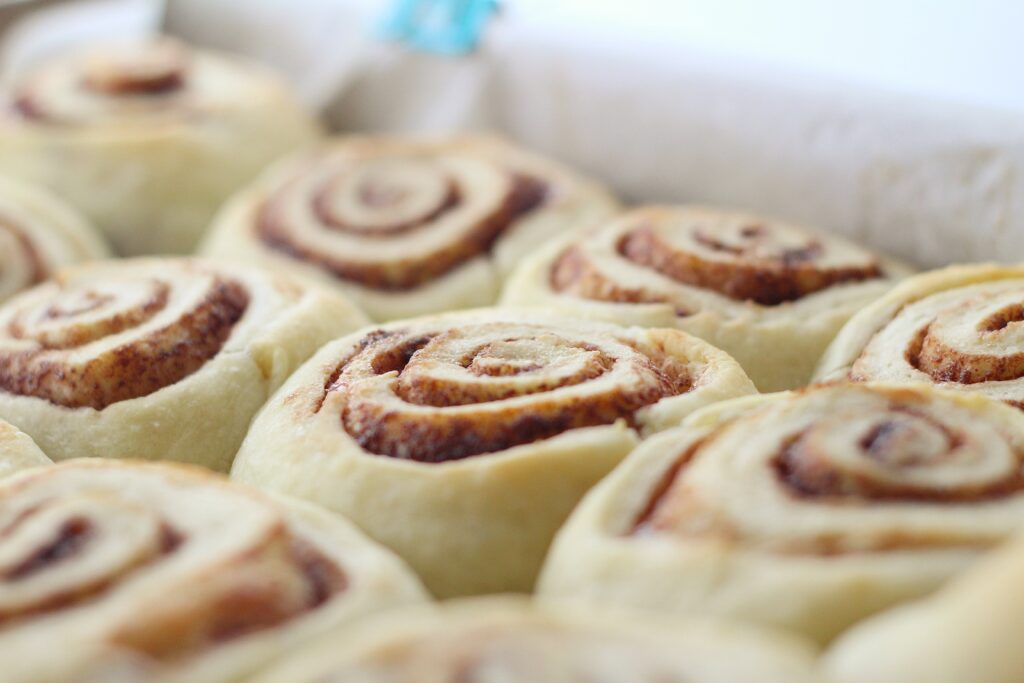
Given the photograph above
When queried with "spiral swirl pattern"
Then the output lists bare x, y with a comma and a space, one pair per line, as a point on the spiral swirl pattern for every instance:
445, 393
411, 226
771, 294
151, 79
465, 417
176, 354
394, 222
81, 341
967, 338
147, 137
510, 641
808, 499
160, 565
836, 447
692, 257
71, 551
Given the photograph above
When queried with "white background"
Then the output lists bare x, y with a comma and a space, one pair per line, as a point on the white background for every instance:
968, 50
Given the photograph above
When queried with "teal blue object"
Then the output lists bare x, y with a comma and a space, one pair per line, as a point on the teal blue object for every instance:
450, 27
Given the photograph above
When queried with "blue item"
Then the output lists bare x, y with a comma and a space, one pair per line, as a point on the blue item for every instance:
449, 27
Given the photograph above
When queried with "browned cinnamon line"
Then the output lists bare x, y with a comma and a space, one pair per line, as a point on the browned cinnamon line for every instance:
458, 437
250, 614
140, 367
527, 194
26, 105
126, 84
442, 436
73, 337
942, 363
807, 476
571, 272
395, 359
818, 545
72, 539
322, 212
249, 608
72, 536
643, 523
768, 283
439, 395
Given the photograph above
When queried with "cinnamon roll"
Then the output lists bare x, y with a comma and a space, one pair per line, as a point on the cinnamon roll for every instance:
119, 571
406, 226
39, 233
958, 328
771, 294
147, 138
514, 641
156, 358
462, 441
968, 631
807, 511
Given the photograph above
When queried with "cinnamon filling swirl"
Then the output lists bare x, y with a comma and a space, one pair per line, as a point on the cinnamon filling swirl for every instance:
454, 393
71, 541
765, 263
972, 338
903, 441
875, 448
395, 224
151, 69
130, 77
100, 343
307, 580
573, 273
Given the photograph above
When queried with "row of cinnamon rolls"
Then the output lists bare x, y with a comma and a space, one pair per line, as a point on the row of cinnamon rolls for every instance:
462, 442
148, 140
759, 530
459, 444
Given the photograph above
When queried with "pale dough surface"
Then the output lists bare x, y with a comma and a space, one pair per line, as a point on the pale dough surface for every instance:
511, 640
778, 345
573, 202
203, 417
726, 534
152, 181
232, 546
481, 523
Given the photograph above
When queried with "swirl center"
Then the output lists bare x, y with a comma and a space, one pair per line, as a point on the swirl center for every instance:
395, 221
150, 68
452, 369
386, 196
882, 456
974, 341
80, 315
818, 460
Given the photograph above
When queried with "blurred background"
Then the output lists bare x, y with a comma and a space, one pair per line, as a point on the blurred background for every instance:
897, 123
968, 51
